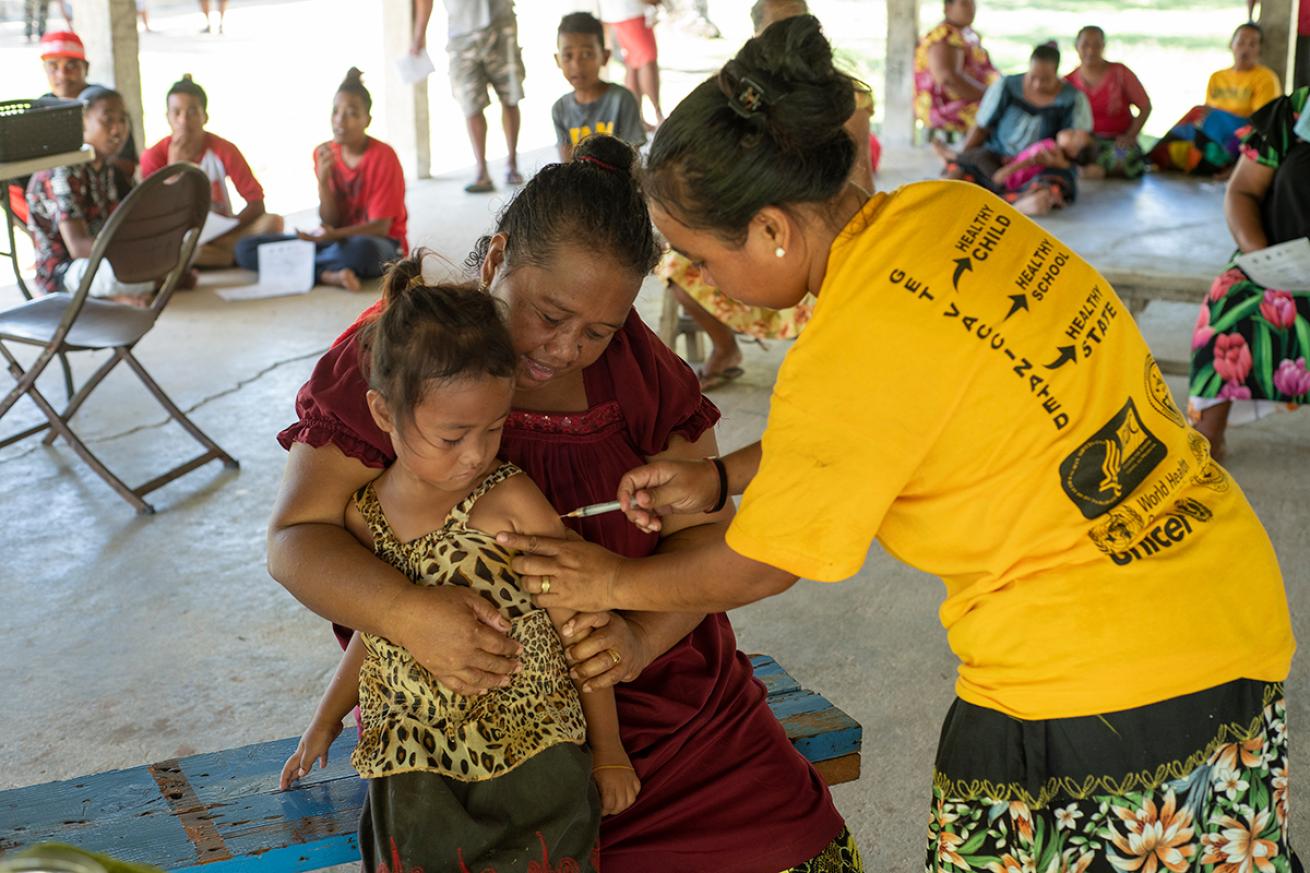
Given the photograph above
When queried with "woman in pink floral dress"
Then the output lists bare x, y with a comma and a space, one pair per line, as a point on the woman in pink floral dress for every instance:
1251, 343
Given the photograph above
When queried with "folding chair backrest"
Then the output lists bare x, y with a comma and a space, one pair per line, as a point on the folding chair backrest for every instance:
148, 232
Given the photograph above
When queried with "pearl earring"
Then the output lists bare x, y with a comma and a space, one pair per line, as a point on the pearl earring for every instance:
779, 252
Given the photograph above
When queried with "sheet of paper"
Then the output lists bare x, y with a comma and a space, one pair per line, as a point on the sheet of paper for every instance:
1285, 266
215, 226
285, 268
414, 68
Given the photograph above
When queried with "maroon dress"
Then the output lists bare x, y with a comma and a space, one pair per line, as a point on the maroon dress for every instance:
722, 788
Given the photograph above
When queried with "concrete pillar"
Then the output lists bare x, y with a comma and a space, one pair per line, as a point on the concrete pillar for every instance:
108, 30
404, 107
1278, 21
897, 95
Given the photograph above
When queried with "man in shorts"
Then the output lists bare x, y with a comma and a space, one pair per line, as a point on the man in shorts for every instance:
484, 52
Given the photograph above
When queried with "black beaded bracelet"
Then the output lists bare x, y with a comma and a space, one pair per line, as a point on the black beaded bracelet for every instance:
723, 485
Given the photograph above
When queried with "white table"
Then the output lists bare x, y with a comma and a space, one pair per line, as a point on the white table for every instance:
13, 170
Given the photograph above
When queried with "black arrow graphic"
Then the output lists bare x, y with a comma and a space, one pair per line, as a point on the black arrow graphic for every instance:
1018, 301
961, 264
1067, 354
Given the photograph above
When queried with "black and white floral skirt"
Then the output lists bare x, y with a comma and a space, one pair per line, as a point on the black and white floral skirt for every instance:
1196, 783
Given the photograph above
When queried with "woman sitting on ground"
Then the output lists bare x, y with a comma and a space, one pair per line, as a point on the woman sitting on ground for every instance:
1016, 113
188, 113
1251, 343
1113, 92
69, 206
1205, 141
952, 71
361, 198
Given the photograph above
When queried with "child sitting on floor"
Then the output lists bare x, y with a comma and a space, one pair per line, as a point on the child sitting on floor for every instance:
458, 782
69, 206
188, 113
595, 106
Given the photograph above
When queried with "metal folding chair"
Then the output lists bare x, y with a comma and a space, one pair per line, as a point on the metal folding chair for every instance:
151, 236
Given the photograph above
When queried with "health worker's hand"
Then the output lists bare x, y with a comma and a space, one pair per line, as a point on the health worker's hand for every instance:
662, 488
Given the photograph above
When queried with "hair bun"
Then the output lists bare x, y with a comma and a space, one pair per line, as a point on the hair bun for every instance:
186, 77
787, 75
606, 152
354, 76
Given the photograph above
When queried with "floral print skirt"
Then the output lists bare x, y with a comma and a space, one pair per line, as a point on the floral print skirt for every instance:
1250, 343
753, 321
1196, 783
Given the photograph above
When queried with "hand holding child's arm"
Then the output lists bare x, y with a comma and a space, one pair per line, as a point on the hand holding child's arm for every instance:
341, 697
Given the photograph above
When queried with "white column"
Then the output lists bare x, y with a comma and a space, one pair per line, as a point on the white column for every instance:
404, 107
898, 87
108, 30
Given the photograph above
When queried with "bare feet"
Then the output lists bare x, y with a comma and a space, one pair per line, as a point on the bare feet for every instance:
341, 278
943, 151
1039, 202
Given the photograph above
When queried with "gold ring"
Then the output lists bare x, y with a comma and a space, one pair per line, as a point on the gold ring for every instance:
545, 584
618, 659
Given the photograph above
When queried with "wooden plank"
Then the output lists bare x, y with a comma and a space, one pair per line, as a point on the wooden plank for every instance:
223, 810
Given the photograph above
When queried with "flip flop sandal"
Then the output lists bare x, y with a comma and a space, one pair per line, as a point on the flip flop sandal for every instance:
710, 381
514, 177
479, 187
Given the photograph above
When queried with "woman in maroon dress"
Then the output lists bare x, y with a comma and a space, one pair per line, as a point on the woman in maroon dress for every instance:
597, 394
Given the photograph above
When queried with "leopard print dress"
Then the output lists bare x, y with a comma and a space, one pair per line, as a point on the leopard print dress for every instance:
413, 723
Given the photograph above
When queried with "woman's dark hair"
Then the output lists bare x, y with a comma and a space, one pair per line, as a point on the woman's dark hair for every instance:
97, 94
1048, 51
767, 130
428, 333
184, 85
593, 201
354, 84
1090, 28
1250, 25
582, 23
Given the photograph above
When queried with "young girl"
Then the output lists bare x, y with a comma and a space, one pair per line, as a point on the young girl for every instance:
491, 781
1043, 176
69, 206
361, 198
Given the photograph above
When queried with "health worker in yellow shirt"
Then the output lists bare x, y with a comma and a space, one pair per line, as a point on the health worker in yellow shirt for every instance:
973, 394
1205, 141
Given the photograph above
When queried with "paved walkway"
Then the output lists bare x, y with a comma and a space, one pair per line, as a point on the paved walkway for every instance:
129, 639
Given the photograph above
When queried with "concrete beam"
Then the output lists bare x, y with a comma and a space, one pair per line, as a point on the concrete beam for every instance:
898, 87
1278, 20
404, 107
108, 30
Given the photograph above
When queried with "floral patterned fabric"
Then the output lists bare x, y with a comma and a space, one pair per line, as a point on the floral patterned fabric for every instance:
754, 321
1251, 342
1221, 809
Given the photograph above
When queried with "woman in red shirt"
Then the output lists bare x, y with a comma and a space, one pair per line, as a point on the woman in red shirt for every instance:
596, 393
361, 198
1114, 92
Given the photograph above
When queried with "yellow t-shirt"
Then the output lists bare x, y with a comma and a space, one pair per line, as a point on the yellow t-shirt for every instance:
976, 396
1242, 93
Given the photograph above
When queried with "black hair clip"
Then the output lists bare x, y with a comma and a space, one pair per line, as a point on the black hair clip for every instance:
749, 97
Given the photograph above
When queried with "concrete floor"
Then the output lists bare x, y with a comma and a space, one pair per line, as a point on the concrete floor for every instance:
127, 640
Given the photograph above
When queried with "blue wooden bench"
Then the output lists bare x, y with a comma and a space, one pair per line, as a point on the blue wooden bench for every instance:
223, 810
